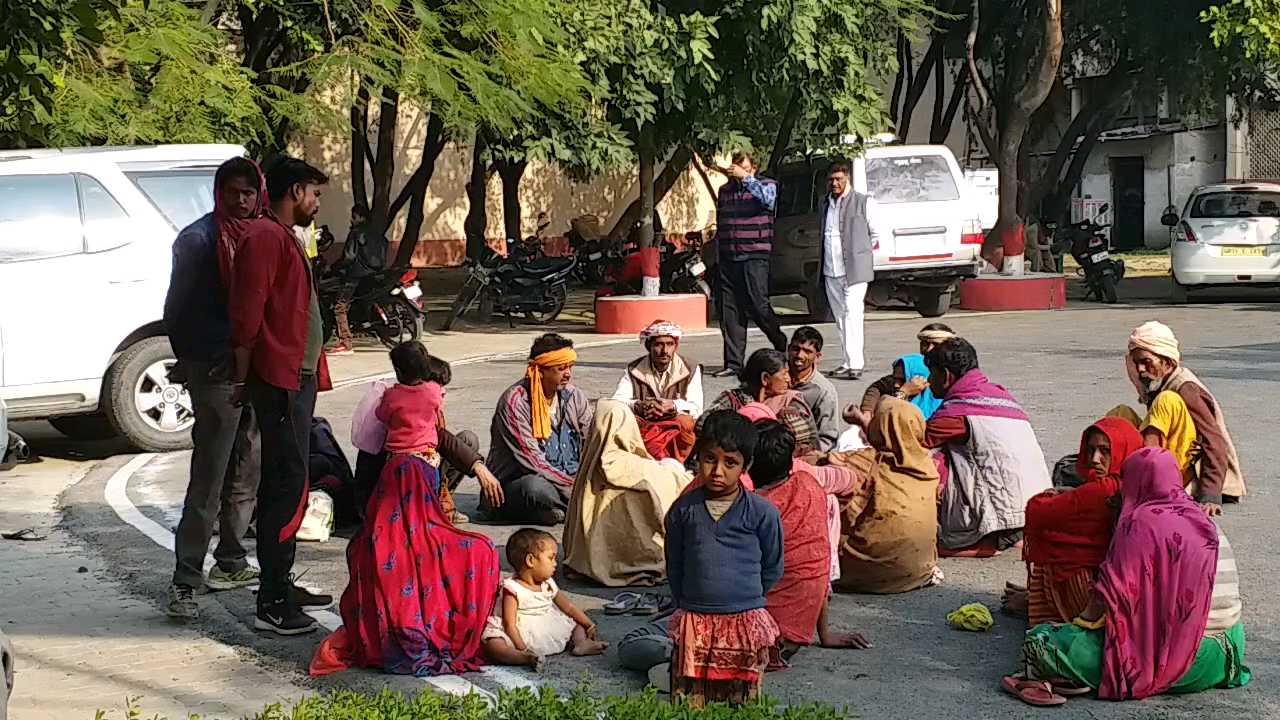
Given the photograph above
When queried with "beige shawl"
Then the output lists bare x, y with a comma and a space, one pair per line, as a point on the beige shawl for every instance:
891, 545
614, 530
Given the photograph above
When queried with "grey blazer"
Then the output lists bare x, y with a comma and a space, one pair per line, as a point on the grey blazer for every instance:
857, 234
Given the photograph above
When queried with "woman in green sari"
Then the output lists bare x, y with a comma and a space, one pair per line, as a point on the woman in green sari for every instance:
1164, 615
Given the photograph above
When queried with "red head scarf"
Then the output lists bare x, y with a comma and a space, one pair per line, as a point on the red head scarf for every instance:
1071, 531
231, 229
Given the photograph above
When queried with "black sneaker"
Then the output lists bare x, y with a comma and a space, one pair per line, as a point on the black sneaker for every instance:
304, 598
283, 618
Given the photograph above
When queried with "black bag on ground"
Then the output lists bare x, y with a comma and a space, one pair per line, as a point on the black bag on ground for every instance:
330, 472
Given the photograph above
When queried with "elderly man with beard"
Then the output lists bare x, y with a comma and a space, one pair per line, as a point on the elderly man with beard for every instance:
1154, 365
664, 391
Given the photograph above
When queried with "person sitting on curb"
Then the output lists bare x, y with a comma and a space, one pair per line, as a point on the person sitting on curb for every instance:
536, 436
664, 391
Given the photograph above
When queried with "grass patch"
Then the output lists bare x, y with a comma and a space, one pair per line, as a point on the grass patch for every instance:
518, 704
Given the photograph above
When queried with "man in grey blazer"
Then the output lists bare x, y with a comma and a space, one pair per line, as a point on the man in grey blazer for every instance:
849, 234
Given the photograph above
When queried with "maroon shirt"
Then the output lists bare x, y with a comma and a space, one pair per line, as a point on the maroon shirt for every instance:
269, 301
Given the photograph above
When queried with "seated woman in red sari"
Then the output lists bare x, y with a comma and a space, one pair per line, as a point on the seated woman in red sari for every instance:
1068, 530
664, 391
798, 603
420, 591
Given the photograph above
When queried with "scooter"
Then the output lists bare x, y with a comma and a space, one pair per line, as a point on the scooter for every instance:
1091, 251
537, 289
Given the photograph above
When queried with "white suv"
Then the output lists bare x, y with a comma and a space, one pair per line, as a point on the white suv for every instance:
86, 240
1228, 234
929, 212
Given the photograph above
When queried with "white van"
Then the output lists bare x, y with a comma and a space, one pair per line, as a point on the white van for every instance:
931, 221
86, 238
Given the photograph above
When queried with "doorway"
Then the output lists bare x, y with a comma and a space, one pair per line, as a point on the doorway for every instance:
1128, 202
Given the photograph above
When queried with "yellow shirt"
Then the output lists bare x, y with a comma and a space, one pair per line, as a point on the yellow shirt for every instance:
1169, 415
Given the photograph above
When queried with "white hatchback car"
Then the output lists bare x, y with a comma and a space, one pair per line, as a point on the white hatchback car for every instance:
1228, 235
86, 240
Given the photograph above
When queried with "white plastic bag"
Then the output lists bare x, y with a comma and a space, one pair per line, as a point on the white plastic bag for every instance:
367, 432
317, 523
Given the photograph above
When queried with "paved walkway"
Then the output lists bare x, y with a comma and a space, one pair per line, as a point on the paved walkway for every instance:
83, 643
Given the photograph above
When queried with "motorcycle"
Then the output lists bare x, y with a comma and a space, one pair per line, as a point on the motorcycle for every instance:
387, 306
684, 271
537, 289
1091, 251
595, 254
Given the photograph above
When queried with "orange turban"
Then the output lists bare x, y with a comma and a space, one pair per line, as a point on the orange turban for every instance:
542, 408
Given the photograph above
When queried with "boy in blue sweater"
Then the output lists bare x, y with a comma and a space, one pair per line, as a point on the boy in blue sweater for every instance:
724, 553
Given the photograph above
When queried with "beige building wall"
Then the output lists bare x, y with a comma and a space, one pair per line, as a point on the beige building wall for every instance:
688, 207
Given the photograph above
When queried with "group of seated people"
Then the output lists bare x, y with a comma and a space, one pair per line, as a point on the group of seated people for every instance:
653, 485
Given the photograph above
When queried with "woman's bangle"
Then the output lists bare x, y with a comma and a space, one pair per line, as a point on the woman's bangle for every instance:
1098, 624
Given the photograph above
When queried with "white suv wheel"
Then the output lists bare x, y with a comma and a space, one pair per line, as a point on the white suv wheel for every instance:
163, 405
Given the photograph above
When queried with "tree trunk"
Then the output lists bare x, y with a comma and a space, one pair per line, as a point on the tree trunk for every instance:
782, 138
384, 161
942, 124
511, 174
1007, 238
932, 57
360, 146
645, 239
666, 179
477, 222
898, 82
415, 192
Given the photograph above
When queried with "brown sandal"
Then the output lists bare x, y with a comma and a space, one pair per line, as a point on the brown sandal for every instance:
1031, 692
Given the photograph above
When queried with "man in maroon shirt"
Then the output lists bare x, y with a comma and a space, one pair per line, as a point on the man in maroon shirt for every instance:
277, 337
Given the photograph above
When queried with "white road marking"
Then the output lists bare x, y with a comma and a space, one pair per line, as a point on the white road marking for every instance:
117, 496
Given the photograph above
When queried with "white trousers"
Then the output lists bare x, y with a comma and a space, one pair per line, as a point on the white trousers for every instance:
848, 305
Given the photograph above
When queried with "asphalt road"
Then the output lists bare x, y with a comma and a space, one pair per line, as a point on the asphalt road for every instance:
1067, 370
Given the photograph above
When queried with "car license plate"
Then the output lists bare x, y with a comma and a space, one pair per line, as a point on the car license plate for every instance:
698, 269
1099, 257
1255, 251
413, 292
595, 256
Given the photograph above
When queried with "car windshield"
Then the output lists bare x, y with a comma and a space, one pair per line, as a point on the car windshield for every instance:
911, 178
182, 196
1237, 204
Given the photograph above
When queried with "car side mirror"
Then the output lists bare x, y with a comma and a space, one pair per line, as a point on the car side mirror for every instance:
1103, 208
1170, 217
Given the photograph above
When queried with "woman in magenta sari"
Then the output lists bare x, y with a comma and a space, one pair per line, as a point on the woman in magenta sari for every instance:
420, 590
1146, 629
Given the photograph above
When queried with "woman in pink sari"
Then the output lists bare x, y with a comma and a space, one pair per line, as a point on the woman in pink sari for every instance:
1144, 631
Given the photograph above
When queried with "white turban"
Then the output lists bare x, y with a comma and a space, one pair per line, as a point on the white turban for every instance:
661, 328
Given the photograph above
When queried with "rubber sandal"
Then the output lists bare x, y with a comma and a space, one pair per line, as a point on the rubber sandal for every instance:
622, 603
1031, 692
25, 535
1066, 689
648, 604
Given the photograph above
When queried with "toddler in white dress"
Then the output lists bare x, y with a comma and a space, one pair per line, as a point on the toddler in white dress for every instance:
532, 618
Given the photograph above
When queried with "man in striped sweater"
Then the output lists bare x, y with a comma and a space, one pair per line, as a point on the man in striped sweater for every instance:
744, 237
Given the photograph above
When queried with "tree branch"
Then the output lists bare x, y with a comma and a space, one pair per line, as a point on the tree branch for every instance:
970, 41
932, 58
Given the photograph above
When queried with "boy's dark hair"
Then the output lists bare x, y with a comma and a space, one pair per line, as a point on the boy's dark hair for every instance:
775, 446
729, 431
284, 172
524, 542
414, 365
838, 168
765, 361
807, 336
742, 156
937, 327
241, 168
549, 343
955, 355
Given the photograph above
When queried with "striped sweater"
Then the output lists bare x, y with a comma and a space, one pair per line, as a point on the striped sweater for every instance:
1226, 608
744, 218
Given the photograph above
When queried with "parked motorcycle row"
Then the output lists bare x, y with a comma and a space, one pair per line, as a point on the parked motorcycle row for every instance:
388, 306
527, 283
